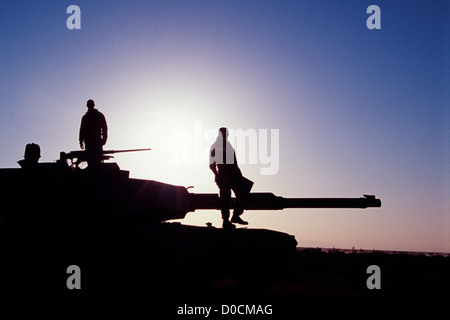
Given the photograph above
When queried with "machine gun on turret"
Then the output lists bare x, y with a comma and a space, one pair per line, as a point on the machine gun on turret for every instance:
79, 156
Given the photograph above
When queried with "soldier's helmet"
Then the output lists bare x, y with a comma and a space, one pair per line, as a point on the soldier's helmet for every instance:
32, 153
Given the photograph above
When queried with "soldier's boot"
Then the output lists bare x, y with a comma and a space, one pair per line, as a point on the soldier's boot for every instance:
238, 219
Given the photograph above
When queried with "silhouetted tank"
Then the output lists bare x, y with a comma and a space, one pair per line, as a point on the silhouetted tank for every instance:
102, 219
61, 189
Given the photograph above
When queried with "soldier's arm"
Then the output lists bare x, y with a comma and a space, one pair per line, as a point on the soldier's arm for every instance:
81, 134
212, 162
104, 130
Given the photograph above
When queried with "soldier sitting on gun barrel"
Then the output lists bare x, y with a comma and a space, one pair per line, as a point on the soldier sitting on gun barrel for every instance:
228, 177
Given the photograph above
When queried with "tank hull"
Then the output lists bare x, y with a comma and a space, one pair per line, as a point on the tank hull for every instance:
122, 256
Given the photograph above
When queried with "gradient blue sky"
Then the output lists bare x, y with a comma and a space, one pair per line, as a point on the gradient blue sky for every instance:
358, 111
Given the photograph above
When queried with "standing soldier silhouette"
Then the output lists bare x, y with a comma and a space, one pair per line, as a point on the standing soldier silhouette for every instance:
93, 132
228, 176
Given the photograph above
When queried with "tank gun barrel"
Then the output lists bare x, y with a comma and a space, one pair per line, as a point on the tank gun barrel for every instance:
269, 201
364, 202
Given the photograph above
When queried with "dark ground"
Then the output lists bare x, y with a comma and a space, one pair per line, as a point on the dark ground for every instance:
322, 281
335, 274
328, 283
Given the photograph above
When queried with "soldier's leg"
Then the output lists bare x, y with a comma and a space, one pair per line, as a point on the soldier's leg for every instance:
239, 203
239, 206
225, 196
93, 154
